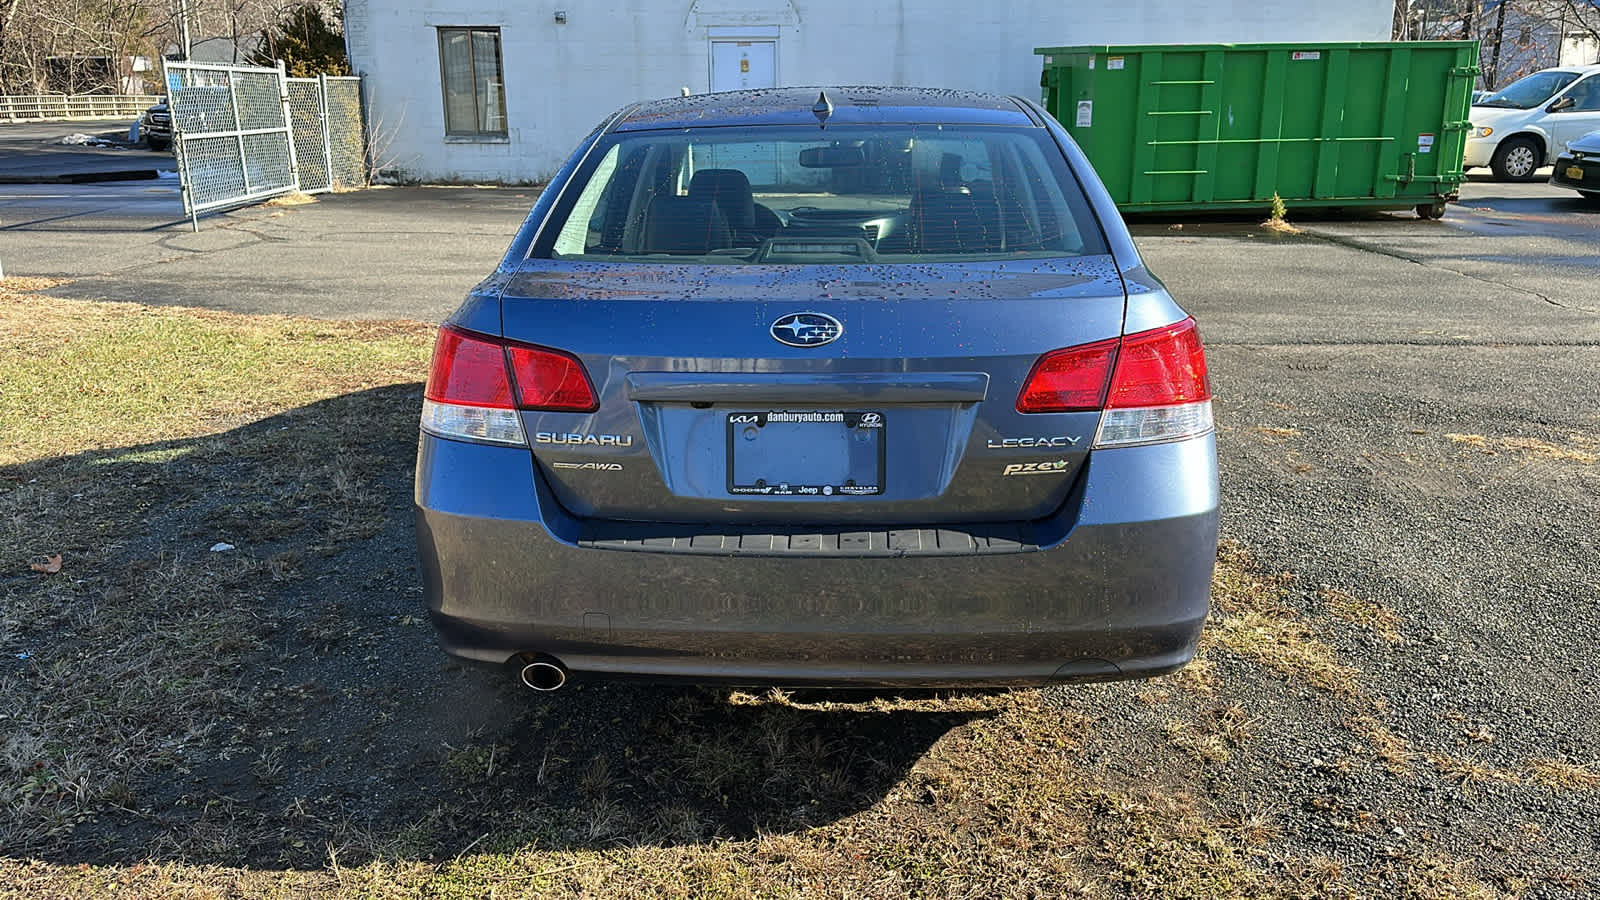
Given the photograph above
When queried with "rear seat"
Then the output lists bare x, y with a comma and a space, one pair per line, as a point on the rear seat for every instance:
954, 221
685, 225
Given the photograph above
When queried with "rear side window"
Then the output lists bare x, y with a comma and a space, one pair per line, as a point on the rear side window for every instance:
775, 195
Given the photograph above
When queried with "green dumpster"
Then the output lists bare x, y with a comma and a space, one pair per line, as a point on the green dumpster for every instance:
1214, 127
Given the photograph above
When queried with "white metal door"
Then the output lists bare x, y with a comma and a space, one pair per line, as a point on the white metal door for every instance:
740, 65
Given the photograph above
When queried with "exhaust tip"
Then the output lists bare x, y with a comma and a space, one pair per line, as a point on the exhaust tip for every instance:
543, 675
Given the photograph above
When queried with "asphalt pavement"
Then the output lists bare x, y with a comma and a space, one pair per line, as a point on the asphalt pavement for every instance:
35, 152
414, 252
383, 253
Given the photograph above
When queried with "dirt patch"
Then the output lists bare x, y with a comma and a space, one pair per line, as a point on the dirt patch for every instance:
295, 199
12, 287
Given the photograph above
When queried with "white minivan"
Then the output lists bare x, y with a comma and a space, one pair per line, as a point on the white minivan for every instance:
1524, 125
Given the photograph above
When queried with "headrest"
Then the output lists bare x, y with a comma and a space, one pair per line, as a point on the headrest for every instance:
730, 190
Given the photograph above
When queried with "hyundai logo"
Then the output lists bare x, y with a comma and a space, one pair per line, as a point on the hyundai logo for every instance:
807, 329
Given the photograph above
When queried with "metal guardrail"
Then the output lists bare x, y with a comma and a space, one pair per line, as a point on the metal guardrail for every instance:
27, 107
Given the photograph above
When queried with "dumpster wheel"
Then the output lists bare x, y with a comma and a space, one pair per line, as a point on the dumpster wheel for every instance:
1434, 210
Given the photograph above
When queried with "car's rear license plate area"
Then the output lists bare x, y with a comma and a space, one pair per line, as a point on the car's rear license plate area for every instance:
806, 453
1575, 173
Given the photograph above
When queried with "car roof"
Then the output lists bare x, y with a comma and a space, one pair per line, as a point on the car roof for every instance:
852, 105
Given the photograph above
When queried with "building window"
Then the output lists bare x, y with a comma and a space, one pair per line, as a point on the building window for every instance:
474, 82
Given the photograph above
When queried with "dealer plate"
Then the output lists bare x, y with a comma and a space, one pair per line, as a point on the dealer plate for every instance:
806, 453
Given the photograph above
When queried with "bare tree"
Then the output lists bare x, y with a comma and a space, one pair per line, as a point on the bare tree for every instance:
111, 32
1566, 19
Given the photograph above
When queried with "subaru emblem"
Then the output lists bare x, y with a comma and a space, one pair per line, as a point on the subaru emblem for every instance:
806, 329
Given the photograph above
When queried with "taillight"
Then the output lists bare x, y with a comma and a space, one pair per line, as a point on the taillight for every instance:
469, 371
1160, 367
1069, 380
550, 379
478, 383
1151, 385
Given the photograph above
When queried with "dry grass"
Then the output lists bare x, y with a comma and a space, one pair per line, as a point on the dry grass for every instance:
295, 199
156, 706
1557, 774
1214, 734
1275, 432
1199, 677
137, 640
1369, 614
83, 376
16, 287
1581, 449
1256, 622
1466, 772
1573, 452
1395, 752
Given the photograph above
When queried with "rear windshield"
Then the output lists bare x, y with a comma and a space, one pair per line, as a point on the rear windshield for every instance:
776, 195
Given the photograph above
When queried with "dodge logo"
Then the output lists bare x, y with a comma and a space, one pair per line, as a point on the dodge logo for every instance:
807, 329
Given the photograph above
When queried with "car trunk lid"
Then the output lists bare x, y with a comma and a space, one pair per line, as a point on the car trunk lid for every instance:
906, 416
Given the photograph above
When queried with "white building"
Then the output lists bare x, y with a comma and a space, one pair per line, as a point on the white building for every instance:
483, 90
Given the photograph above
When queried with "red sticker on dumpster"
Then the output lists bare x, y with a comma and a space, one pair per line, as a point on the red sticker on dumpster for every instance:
1305, 54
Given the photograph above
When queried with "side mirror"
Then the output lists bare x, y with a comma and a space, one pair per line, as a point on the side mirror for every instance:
1563, 103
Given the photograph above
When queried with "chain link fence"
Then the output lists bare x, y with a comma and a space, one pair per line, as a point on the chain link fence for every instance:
329, 138
347, 138
309, 122
247, 133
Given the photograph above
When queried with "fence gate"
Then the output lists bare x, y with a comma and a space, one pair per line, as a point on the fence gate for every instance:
325, 119
232, 134
347, 143
247, 133
308, 120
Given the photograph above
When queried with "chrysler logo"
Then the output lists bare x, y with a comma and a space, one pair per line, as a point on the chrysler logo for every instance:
807, 329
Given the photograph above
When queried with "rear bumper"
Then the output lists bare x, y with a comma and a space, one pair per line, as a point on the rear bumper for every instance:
1122, 595
1589, 167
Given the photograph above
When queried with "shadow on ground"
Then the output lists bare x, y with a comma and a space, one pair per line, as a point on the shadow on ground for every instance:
261, 705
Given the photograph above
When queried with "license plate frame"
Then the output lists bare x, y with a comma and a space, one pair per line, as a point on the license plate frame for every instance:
806, 453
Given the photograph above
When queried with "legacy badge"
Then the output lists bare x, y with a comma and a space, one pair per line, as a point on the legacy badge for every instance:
1025, 443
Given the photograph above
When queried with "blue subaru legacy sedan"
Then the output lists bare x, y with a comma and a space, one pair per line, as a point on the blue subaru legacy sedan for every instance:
828, 386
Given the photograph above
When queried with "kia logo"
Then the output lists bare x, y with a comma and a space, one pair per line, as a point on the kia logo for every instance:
806, 329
